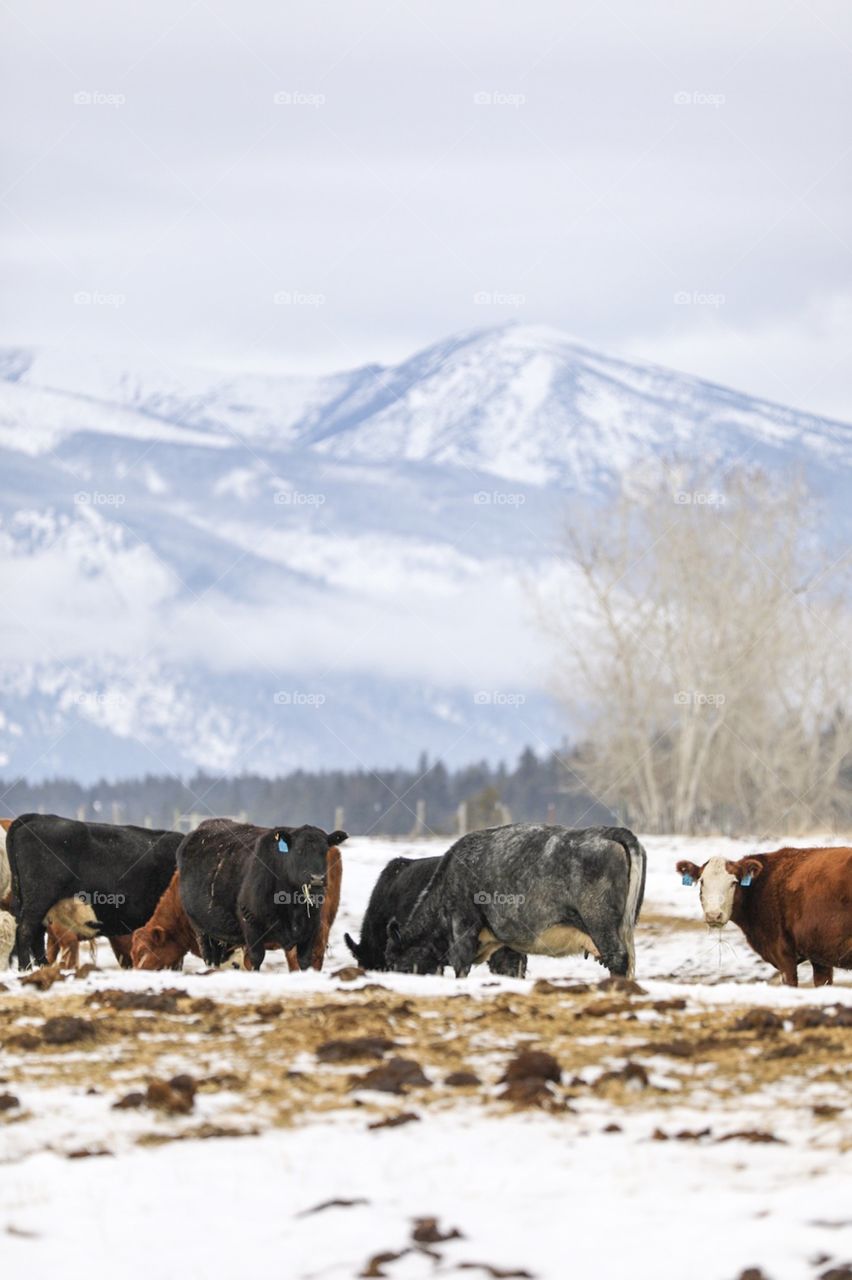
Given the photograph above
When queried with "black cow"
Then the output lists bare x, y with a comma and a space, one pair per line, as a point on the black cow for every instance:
537, 889
394, 895
120, 871
248, 886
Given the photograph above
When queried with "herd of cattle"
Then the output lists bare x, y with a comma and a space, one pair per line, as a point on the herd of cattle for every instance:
496, 896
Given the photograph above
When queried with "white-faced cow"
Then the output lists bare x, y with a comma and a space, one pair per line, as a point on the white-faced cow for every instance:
792, 905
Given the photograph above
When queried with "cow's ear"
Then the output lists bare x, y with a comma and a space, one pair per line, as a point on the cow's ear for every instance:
688, 872
157, 935
337, 837
749, 869
394, 931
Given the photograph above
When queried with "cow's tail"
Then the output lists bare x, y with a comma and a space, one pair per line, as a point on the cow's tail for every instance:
15, 904
353, 946
637, 864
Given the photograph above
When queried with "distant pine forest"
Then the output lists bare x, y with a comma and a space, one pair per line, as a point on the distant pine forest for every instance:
426, 800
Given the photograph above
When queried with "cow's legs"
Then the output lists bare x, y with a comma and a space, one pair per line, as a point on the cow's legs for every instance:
823, 974
213, 952
508, 963
253, 942
121, 950
464, 942
614, 948
29, 944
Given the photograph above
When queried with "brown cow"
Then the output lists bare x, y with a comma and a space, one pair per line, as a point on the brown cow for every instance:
163, 942
167, 937
6, 823
792, 905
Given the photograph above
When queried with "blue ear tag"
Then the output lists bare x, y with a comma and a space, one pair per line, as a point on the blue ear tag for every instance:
687, 878
746, 880
283, 846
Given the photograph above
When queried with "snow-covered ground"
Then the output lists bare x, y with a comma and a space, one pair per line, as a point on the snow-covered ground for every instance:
546, 1194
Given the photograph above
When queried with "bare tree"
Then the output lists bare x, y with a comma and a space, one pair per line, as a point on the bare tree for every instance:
705, 647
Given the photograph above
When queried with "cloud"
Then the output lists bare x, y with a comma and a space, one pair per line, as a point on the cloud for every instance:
594, 160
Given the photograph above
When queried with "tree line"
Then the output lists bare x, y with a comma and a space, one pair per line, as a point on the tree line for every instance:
373, 801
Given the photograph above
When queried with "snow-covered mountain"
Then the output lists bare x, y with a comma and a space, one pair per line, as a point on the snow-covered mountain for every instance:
261, 572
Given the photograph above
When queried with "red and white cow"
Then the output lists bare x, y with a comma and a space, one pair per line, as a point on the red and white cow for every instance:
792, 905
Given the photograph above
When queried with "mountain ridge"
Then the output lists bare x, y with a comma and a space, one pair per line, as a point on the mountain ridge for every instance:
190, 544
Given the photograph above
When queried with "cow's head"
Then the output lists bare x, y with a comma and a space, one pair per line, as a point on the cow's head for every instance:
421, 955
717, 883
301, 853
151, 947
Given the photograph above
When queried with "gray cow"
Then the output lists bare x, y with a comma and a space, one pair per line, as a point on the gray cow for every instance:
536, 889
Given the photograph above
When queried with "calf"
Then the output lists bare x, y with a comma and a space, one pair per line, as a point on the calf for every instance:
122, 870
792, 905
7, 937
533, 888
5, 873
249, 886
71, 922
394, 894
68, 922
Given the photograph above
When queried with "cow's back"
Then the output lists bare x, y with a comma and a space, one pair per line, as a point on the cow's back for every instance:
123, 868
807, 893
212, 862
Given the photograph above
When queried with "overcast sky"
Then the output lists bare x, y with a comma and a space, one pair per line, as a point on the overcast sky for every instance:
663, 180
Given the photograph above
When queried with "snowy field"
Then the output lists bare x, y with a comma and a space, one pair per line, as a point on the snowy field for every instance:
701, 1125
